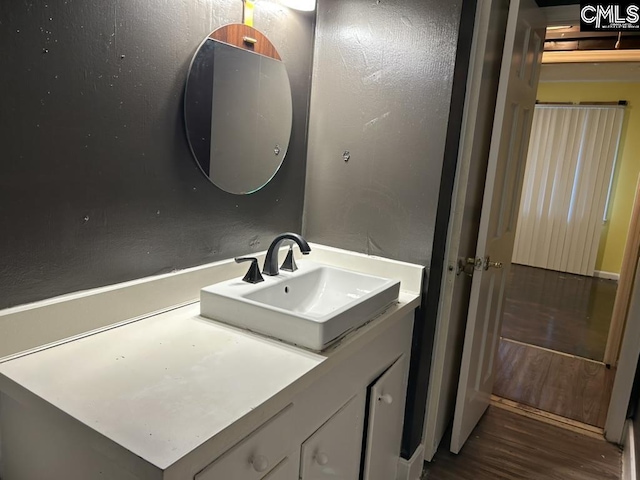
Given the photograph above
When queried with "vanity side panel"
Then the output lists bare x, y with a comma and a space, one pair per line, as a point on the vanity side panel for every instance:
39, 444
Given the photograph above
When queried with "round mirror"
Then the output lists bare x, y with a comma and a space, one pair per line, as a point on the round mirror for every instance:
238, 109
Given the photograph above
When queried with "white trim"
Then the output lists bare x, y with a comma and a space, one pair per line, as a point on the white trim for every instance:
626, 371
450, 323
45, 323
606, 275
411, 469
629, 467
591, 56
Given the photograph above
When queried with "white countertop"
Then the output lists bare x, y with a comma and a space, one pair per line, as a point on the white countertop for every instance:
162, 386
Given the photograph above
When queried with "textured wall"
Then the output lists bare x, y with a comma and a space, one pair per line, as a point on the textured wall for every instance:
97, 184
382, 82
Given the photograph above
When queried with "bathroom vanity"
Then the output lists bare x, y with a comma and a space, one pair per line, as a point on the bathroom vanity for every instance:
175, 395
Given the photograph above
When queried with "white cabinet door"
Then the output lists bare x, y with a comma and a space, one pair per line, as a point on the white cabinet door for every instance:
333, 451
286, 470
386, 411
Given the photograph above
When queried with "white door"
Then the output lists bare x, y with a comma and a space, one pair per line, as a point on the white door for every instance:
517, 88
384, 432
287, 469
333, 452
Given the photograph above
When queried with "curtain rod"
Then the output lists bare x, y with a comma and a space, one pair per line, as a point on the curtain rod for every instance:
623, 103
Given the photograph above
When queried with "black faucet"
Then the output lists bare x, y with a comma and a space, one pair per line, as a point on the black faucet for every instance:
271, 260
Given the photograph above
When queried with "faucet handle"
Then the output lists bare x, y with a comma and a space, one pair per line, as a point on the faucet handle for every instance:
253, 275
289, 264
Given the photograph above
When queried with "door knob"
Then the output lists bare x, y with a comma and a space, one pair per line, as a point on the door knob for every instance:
386, 398
322, 458
260, 463
489, 264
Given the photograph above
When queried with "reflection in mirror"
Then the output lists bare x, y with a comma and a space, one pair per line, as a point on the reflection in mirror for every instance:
238, 109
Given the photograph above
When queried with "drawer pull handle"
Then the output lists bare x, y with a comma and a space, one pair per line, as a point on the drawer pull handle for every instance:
322, 458
260, 463
386, 398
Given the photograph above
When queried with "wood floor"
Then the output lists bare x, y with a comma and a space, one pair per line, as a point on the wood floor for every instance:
506, 445
552, 311
559, 311
571, 387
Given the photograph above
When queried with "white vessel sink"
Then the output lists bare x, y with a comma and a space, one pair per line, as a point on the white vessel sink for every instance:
310, 307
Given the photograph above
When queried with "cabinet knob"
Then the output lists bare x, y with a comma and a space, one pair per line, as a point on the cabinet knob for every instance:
260, 463
322, 458
386, 398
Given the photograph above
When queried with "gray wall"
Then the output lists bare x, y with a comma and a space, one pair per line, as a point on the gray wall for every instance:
388, 86
97, 184
382, 82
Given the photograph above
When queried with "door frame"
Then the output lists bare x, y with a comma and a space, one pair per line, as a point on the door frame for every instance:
445, 367
435, 415
451, 318
626, 371
629, 349
625, 285
512, 121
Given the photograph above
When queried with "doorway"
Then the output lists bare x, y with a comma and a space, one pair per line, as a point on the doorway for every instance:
461, 328
555, 326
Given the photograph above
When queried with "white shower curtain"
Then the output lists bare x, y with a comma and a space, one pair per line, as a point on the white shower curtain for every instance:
566, 186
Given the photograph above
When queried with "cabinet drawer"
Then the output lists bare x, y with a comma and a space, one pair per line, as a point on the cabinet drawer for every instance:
384, 432
254, 456
333, 451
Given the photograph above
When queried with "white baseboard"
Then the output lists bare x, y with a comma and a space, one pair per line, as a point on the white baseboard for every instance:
430, 452
629, 467
412, 469
607, 275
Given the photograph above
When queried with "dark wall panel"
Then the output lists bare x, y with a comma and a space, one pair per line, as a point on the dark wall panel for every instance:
381, 90
383, 82
97, 184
